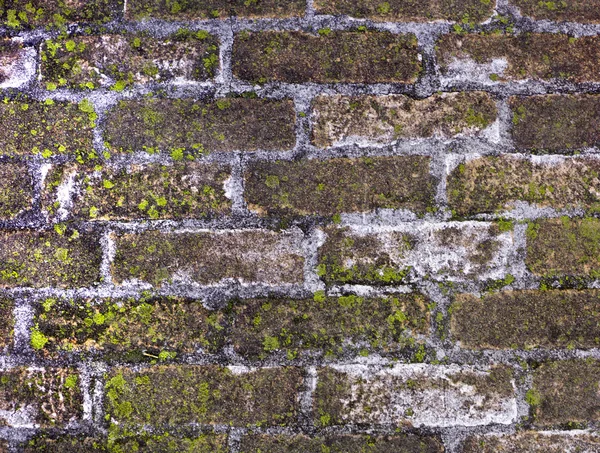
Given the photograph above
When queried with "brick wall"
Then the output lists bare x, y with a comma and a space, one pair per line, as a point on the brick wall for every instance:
289, 226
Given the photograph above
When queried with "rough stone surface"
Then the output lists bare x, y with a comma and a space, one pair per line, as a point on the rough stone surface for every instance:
253, 256
334, 186
340, 444
497, 184
383, 119
16, 189
41, 259
503, 57
183, 125
203, 9
527, 320
7, 324
585, 11
178, 191
332, 56
565, 392
118, 61
173, 395
400, 10
533, 442
416, 395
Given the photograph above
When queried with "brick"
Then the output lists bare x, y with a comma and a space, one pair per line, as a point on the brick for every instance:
586, 11
565, 392
555, 122
176, 125
496, 184
329, 187
397, 10
340, 119
118, 61
41, 259
420, 395
179, 191
58, 13
333, 56
16, 189
208, 9
328, 325
47, 128
446, 250
533, 442
8, 322
252, 256
64, 444
17, 63
177, 395
527, 320
564, 246
128, 329
44, 398
540, 56
404, 443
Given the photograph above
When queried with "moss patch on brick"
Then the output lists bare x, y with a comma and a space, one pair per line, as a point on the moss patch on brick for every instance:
564, 246
527, 319
118, 61
412, 10
531, 441
174, 125
329, 187
52, 395
383, 119
178, 191
556, 122
541, 56
566, 392
586, 11
399, 443
58, 13
174, 395
334, 56
51, 127
16, 189
149, 329
40, 259
250, 256
328, 325
209, 9
494, 184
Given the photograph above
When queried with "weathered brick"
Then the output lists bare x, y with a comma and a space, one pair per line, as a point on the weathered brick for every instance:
207, 9
177, 395
179, 191
449, 250
328, 324
40, 259
120, 60
587, 11
382, 119
503, 57
527, 319
58, 13
329, 187
17, 63
400, 10
248, 256
400, 443
496, 184
165, 442
177, 125
532, 442
47, 128
565, 391
8, 322
564, 246
556, 122
44, 398
421, 395
147, 329
16, 189
334, 56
